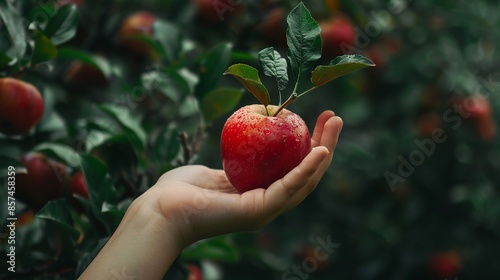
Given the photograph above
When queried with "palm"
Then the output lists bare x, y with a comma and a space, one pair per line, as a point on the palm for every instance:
204, 198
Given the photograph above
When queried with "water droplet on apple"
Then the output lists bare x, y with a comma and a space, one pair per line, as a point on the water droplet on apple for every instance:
280, 124
267, 131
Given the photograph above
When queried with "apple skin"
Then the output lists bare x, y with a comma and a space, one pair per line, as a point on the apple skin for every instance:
481, 115
137, 24
273, 27
194, 272
78, 185
446, 264
258, 150
82, 74
216, 12
44, 181
21, 106
335, 32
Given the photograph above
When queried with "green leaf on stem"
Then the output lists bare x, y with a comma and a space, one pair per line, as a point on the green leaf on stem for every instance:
63, 25
44, 50
15, 27
304, 42
249, 77
220, 101
338, 67
274, 66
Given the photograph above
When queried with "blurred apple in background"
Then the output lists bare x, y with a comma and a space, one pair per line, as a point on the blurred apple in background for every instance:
338, 35
44, 181
134, 26
21, 106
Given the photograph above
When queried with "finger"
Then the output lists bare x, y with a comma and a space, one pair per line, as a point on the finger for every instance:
330, 133
318, 129
284, 192
329, 140
198, 175
297, 186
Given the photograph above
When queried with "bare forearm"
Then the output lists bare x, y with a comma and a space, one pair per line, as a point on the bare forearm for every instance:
143, 247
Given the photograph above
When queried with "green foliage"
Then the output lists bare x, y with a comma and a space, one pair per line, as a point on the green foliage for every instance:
249, 77
304, 42
274, 66
304, 50
338, 67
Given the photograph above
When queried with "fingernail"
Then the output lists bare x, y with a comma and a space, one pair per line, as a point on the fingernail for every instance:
341, 124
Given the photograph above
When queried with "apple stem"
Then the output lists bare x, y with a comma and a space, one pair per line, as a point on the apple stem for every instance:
289, 101
292, 99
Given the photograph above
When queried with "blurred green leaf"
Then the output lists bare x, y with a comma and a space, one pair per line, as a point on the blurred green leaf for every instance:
63, 25
189, 107
211, 68
96, 61
44, 50
304, 42
6, 162
244, 56
249, 77
338, 67
4, 60
95, 139
219, 102
130, 123
169, 37
274, 66
216, 249
58, 211
51, 122
62, 152
166, 146
172, 86
15, 27
99, 183
89, 256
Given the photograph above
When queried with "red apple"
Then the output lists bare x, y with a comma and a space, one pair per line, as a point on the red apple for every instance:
337, 34
137, 24
314, 255
194, 272
481, 116
427, 122
273, 27
218, 11
78, 185
21, 106
60, 3
44, 181
82, 74
258, 149
446, 265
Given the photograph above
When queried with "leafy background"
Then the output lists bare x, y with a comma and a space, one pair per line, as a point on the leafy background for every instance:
161, 103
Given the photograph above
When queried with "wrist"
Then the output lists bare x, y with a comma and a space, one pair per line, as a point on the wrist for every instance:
143, 246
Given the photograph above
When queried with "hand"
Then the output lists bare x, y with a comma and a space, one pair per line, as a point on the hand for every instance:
202, 203
194, 202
